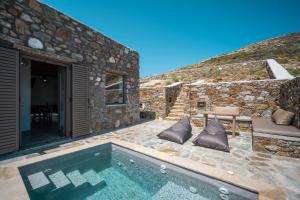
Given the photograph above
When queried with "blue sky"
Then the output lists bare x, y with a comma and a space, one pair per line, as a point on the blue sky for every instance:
169, 34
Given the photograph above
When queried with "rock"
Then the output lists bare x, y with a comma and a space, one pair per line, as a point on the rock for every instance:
21, 27
34, 27
35, 43
98, 126
94, 45
62, 33
42, 36
117, 124
262, 107
249, 98
77, 56
272, 148
266, 113
26, 17
77, 40
112, 60
35, 5
6, 24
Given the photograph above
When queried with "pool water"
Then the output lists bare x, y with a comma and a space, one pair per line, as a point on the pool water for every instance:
113, 172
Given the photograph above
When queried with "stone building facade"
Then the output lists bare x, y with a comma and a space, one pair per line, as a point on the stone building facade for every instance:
33, 27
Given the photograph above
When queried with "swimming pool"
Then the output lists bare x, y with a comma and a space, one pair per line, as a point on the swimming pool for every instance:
109, 171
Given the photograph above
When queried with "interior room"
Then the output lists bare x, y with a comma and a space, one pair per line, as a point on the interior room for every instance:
42, 88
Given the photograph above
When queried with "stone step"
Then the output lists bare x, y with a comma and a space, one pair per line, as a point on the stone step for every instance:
76, 178
177, 111
93, 178
38, 180
178, 106
59, 179
175, 116
176, 192
180, 112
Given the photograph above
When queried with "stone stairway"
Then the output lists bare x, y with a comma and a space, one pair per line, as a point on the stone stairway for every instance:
180, 107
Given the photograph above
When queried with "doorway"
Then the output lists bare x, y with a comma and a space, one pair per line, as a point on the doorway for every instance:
42, 102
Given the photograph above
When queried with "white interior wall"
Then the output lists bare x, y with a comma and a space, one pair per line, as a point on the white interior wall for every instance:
25, 92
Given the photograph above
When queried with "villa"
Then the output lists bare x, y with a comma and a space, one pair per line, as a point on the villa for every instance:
77, 121
72, 79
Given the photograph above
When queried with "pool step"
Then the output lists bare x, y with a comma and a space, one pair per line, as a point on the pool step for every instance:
176, 192
93, 178
76, 178
38, 180
59, 179
119, 187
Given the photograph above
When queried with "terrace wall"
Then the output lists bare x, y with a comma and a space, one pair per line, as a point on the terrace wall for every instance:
290, 98
255, 98
42, 30
157, 101
153, 100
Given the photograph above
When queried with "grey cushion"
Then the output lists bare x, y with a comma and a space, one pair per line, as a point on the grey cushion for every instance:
179, 132
266, 125
213, 136
282, 117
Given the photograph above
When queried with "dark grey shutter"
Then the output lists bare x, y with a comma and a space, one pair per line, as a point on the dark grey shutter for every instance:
9, 100
80, 100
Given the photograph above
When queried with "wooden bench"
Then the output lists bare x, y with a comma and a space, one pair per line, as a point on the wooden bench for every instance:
225, 114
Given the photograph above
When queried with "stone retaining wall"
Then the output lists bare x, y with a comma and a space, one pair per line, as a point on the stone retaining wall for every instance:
42, 29
282, 147
290, 98
153, 102
157, 101
255, 98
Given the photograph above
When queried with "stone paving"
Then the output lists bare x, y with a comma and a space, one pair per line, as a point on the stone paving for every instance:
276, 170
281, 171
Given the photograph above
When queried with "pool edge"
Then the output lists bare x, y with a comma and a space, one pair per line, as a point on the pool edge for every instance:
12, 186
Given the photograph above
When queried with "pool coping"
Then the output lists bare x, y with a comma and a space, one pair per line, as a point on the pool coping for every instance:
12, 186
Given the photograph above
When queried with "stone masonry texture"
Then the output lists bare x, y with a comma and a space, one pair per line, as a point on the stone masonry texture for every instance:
290, 98
29, 23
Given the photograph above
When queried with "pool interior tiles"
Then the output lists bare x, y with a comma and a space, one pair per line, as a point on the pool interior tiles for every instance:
112, 172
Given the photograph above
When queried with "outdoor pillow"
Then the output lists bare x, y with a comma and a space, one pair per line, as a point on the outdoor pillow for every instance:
179, 132
282, 117
213, 136
214, 126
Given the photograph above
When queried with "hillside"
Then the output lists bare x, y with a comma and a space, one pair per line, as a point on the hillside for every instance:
243, 64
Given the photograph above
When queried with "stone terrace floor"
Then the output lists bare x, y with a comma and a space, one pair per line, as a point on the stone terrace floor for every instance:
281, 171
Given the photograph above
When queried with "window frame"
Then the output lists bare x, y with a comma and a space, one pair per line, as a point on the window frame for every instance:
123, 90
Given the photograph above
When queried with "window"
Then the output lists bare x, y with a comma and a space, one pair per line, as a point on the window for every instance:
114, 89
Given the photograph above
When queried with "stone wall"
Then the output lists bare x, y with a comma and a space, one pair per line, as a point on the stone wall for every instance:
282, 146
158, 101
46, 31
153, 102
255, 98
290, 98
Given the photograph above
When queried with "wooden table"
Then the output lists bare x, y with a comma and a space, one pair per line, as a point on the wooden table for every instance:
223, 111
